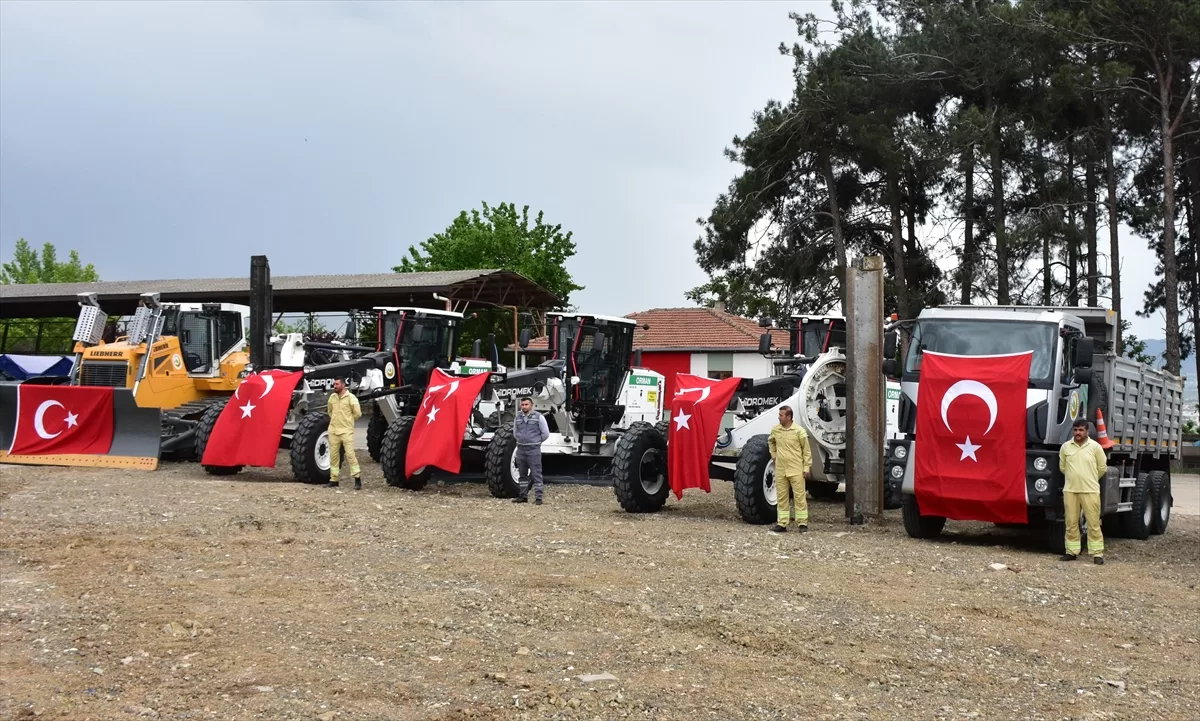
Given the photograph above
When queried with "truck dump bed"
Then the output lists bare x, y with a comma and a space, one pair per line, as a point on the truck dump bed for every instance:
1146, 407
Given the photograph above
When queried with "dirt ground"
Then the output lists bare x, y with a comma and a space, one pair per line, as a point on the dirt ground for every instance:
172, 594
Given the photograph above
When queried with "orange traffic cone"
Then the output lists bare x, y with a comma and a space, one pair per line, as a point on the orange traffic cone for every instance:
1102, 432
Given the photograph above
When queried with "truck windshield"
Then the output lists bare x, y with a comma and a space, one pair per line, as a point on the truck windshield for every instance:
984, 337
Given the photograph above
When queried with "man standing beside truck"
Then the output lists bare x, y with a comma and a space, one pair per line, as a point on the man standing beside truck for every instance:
1083, 463
788, 443
344, 409
531, 431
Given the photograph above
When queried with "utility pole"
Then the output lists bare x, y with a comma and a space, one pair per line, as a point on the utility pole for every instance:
864, 389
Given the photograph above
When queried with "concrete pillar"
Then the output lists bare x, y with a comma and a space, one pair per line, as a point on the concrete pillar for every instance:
864, 389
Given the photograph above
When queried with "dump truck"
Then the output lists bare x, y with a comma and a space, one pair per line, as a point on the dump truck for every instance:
1075, 372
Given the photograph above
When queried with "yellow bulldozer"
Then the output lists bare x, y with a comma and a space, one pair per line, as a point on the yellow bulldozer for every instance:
177, 357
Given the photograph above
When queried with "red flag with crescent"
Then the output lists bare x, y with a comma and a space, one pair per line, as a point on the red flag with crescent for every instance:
970, 454
62, 419
248, 431
438, 430
697, 408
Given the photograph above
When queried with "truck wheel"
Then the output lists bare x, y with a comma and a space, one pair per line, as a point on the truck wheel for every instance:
1160, 491
392, 453
640, 470
754, 482
918, 526
376, 427
207, 422
310, 449
1140, 518
500, 464
663, 428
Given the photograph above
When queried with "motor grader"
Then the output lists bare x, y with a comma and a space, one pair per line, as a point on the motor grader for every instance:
812, 382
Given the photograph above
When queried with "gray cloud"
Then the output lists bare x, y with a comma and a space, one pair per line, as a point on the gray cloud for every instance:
176, 139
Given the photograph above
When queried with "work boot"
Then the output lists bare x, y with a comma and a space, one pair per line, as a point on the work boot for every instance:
779, 529
521, 499
1066, 557
802, 528
537, 502
331, 484
357, 483
1098, 560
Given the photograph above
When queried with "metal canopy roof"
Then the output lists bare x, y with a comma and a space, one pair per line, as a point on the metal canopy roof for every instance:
291, 293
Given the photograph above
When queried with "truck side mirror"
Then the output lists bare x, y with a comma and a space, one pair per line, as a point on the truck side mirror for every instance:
418, 333
889, 367
1084, 348
598, 340
477, 348
525, 338
889, 345
495, 352
764, 344
1083, 376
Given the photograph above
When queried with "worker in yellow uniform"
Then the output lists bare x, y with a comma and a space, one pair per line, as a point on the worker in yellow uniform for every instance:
793, 459
343, 411
1083, 463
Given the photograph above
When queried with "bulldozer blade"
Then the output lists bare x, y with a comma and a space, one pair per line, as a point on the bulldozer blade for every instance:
137, 433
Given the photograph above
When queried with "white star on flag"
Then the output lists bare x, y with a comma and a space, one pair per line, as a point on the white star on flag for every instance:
432, 415
72, 420
681, 421
968, 450
247, 409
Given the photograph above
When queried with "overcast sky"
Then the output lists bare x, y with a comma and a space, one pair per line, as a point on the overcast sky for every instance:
175, 139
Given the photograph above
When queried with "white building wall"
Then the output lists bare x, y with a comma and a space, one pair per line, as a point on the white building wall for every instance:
700, 364
752, 365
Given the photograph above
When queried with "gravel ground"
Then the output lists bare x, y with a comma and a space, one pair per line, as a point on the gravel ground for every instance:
173, 594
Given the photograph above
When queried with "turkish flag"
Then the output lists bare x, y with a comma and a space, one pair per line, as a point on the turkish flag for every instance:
63, 419
437, 433
970, 459
250, 427
697, 407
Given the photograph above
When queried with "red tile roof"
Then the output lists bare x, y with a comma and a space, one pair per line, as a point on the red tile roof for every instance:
693, 329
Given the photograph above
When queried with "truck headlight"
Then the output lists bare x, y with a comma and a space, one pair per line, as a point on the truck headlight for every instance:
900, 452
1041, 485
897, 472
1040, 464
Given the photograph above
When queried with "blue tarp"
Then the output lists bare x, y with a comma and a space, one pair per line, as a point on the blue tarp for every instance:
22, 367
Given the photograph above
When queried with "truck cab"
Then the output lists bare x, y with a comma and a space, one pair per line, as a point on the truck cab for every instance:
1074, 373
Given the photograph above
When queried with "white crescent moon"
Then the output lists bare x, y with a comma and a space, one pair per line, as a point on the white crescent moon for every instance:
970, 388
39, 420
703, 392
270, 381
453, 387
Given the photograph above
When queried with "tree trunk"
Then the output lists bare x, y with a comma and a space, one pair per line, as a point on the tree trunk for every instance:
1072, 236
1002, 297
1089, 226
898, 259
1043, 194
1192, 175
1114, 243
967, 271
1170, 269
839, 243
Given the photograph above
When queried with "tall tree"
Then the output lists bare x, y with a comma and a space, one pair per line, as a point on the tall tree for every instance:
30, 266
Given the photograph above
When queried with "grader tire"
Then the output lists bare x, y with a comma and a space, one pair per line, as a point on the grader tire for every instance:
309, 442
750, 484
663, 427
376, 427
498, 463
639, 470
207, 422
393, 451
918, 526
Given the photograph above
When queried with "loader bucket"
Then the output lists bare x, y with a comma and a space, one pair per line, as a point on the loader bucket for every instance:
136, 435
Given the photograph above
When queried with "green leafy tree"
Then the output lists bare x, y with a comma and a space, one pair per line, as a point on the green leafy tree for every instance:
504, 238
29, 266
41, 335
